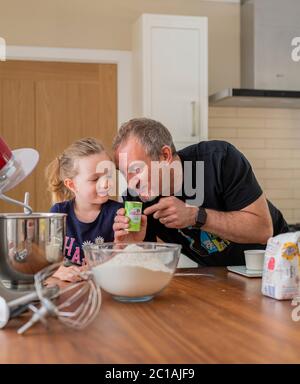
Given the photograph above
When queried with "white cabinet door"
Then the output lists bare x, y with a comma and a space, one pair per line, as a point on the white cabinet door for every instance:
170, 74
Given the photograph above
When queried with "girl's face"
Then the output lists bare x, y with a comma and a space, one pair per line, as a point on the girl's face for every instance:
91, 184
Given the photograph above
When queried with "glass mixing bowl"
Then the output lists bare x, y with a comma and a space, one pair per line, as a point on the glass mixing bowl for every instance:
132, 272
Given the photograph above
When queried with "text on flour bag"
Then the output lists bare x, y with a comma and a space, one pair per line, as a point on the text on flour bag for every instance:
281, 266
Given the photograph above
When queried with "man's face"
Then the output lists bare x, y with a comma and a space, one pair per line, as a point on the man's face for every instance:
135, 165
149, 178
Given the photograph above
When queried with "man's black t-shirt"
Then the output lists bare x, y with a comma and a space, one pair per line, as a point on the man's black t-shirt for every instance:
229, 185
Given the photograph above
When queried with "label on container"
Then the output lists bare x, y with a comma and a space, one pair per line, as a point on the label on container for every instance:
133, 210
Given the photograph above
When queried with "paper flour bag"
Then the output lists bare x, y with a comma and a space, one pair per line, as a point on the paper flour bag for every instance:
281, 266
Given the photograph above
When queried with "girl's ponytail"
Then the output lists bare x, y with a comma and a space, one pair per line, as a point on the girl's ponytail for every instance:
59, 192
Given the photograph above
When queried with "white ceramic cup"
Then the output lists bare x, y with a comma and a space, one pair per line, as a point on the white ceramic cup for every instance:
254, 259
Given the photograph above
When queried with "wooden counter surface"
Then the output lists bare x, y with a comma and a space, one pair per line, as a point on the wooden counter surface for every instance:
197, 319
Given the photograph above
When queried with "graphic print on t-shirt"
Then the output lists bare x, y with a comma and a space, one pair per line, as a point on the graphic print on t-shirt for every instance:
212, 243
204, 243
72, 248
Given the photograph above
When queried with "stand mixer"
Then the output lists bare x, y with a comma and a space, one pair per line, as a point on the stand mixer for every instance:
28, 241
31, 249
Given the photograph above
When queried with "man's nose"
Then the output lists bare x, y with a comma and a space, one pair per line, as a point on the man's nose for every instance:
106, 183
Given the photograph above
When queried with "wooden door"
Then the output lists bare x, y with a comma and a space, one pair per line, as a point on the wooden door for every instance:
48, 105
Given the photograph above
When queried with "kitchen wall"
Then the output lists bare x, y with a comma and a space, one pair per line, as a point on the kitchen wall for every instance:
107, 24
270, 139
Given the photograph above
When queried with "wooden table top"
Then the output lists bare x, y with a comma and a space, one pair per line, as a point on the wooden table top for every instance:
197, 319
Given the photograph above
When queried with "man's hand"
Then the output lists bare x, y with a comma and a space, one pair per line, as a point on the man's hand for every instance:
120, 228
173, 213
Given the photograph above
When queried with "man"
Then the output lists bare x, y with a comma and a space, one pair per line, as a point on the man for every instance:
233, 214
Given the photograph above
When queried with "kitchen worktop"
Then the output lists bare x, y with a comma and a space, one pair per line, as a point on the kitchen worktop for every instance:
197, 319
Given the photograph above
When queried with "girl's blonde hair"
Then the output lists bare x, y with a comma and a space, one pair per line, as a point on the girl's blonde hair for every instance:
63, 166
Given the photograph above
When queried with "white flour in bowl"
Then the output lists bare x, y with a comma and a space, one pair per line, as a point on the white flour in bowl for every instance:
134, 273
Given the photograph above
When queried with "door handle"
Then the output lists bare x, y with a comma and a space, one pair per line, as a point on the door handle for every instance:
194, 119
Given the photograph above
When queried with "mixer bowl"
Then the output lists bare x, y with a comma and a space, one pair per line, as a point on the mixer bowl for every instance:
29, 243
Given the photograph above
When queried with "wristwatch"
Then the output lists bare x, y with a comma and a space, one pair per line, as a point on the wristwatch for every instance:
201, 217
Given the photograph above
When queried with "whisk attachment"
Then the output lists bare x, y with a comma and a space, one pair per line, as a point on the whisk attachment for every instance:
74, 304
14, 308
39, 314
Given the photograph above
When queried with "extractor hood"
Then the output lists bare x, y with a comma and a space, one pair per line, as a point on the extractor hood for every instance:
269, 76
242, 97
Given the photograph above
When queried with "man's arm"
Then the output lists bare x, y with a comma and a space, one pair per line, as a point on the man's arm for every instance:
252, 224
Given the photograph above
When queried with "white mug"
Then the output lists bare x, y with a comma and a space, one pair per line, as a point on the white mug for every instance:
254, 259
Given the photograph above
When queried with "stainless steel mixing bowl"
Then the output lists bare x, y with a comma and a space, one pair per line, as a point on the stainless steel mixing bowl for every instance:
28, 243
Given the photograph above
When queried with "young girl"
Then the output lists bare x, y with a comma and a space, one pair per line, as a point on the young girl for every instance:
73, 182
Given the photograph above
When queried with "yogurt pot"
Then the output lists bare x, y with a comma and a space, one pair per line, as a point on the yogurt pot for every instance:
133, 210
254, 259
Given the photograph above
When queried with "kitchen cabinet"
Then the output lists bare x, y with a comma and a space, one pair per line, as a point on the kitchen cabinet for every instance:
170, 74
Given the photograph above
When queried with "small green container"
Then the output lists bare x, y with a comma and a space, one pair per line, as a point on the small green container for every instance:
133, 210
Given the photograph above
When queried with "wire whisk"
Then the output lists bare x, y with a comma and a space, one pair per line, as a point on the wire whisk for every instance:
74, 304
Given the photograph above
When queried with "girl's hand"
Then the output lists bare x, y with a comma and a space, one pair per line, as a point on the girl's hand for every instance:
71, 274
122, 223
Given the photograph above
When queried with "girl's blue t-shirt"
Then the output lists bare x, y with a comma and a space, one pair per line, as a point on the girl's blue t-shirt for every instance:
78, 233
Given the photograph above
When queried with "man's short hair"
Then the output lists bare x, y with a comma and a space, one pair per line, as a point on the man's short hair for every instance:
152, 135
